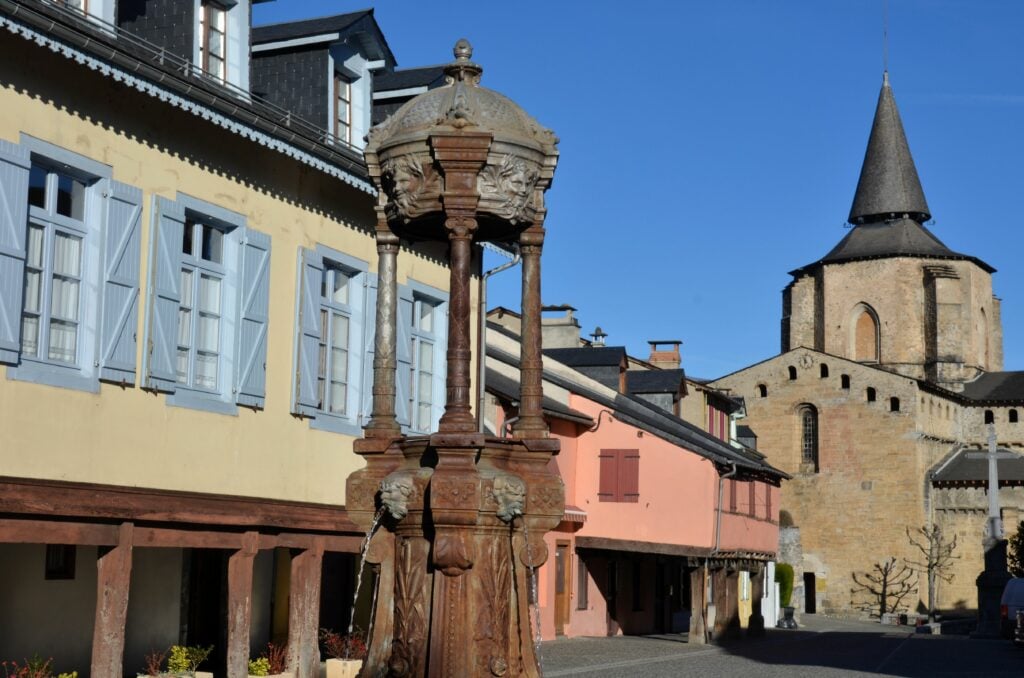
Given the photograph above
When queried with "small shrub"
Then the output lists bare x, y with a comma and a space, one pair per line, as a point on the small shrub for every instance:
37, 667
784, 576
259, 667
187, 659
337, 646
277, 657
155, 662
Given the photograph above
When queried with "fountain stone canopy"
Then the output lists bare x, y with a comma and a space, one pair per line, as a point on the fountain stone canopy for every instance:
519, 166
462, 514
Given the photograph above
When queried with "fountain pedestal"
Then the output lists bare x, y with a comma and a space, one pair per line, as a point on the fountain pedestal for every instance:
463, 515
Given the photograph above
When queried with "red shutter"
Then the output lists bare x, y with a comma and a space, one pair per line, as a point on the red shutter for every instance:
711, 420
629, 475
753, 496
732, 495
768, 499
608, 485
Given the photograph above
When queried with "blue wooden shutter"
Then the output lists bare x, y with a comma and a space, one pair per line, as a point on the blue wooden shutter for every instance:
369, 336
165, 296
440, 364
307, 394
403, 353
253, 317
14, 166
120, 314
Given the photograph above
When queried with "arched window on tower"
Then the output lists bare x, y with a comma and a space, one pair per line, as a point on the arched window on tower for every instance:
894, 404
824, 370
792, 373
844, 380
864, 338
989, 417
762, 391
1013, 416
870, 393
808, 417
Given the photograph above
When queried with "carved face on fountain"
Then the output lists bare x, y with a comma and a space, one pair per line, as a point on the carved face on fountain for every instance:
510, 496
395, 491
408, 183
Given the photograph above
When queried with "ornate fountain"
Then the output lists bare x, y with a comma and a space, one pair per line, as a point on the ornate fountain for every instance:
464, 514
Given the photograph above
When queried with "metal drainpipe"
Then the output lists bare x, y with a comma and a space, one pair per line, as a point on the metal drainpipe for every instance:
718, 514
482, 334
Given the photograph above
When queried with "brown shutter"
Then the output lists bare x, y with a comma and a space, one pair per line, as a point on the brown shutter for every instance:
753, 496
732, 495
629, 475
607, 489
768, 499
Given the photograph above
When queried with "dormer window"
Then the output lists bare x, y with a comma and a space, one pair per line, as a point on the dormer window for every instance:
343, 109
213, 19
77, 5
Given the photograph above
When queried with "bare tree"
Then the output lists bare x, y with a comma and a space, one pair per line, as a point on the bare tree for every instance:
885, 586
935, 558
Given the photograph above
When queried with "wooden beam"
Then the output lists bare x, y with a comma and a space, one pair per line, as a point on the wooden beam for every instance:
304, 613
240, 605
113, 576
52, 498
17, 531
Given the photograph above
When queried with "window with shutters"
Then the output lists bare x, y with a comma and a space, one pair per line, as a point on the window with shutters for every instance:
619, 476
69, 261
213, 26
207, 311
424, 352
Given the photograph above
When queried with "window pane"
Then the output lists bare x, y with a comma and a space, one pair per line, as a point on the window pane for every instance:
186, 237
62, 341
340, 293
184, 327
215, 66
64, 299
34, 256
425, 390
67, 255
186, 288
208, 338
339, 393
423, 417
212, 244
182, 367
209, 294
426, 357
37, 186
206, 371
30, 336
339, 331
70, 197
33, 281
339, 365
216, 45
426, 317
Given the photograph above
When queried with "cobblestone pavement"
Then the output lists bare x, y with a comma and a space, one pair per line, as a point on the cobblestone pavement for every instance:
822, 648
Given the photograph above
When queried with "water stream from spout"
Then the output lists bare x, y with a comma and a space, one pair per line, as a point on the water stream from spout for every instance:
533, 601
359, 580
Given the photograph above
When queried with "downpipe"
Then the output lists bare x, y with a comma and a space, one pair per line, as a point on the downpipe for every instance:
482, 334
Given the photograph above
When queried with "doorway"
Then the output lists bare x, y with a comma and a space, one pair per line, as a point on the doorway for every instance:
810, 594
562, 587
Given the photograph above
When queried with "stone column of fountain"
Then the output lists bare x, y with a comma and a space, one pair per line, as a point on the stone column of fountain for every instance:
464, 515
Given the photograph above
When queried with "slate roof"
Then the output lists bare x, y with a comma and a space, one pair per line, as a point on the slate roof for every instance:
405, 78
504, 387
963, 470
290, 30
744, 431
588, 356
654, 381
996, 386
888, 185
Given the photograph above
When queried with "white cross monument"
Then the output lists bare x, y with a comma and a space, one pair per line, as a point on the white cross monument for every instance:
994, 525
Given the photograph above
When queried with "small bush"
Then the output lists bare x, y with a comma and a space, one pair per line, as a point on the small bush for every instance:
784, 577
259, 667
37, 667
277, 657
337, 646
187, 659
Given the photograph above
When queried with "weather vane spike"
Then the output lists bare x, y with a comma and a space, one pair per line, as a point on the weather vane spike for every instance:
885, 38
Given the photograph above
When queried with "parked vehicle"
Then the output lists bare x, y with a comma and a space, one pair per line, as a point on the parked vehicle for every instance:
1011, 602
1018, 633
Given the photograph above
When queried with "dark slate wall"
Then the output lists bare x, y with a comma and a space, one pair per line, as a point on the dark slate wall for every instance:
295, 80
167, 23
662, 401
607, 375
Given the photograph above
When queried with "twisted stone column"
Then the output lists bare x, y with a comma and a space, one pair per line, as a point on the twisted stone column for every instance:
383, 422
531, 422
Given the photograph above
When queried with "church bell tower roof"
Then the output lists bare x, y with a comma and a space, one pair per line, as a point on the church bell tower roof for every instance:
889, 187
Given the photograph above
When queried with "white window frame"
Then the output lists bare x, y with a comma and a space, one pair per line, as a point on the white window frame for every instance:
220, 13
343, 129
199, 267
437, 338
328, 309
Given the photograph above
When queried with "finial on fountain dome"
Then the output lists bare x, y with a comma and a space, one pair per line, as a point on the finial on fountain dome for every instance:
463, 69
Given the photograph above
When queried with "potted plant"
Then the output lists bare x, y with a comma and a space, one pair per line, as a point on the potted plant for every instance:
184, 661
784, 577
271, 663
345, 654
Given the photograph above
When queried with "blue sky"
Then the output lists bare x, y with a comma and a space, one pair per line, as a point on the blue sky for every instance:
708, 148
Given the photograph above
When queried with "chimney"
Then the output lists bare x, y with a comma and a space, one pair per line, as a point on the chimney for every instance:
562, 331
665, 354
597, 337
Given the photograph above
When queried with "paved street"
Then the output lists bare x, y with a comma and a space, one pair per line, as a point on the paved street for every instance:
823, 648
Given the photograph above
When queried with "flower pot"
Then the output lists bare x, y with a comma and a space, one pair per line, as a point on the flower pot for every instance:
787, 621
286, 674
342, 668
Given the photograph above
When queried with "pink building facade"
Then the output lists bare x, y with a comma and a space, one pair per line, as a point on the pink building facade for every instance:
668, 528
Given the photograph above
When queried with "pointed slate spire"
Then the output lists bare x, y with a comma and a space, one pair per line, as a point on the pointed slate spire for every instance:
888, 187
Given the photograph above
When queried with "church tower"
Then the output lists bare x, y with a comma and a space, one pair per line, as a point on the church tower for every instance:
891, 293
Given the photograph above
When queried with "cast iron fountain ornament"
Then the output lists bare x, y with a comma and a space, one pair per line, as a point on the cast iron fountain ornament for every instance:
465, 513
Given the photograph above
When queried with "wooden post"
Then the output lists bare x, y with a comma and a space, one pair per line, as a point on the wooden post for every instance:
113, 577
240, 605
698, 633
304, 612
